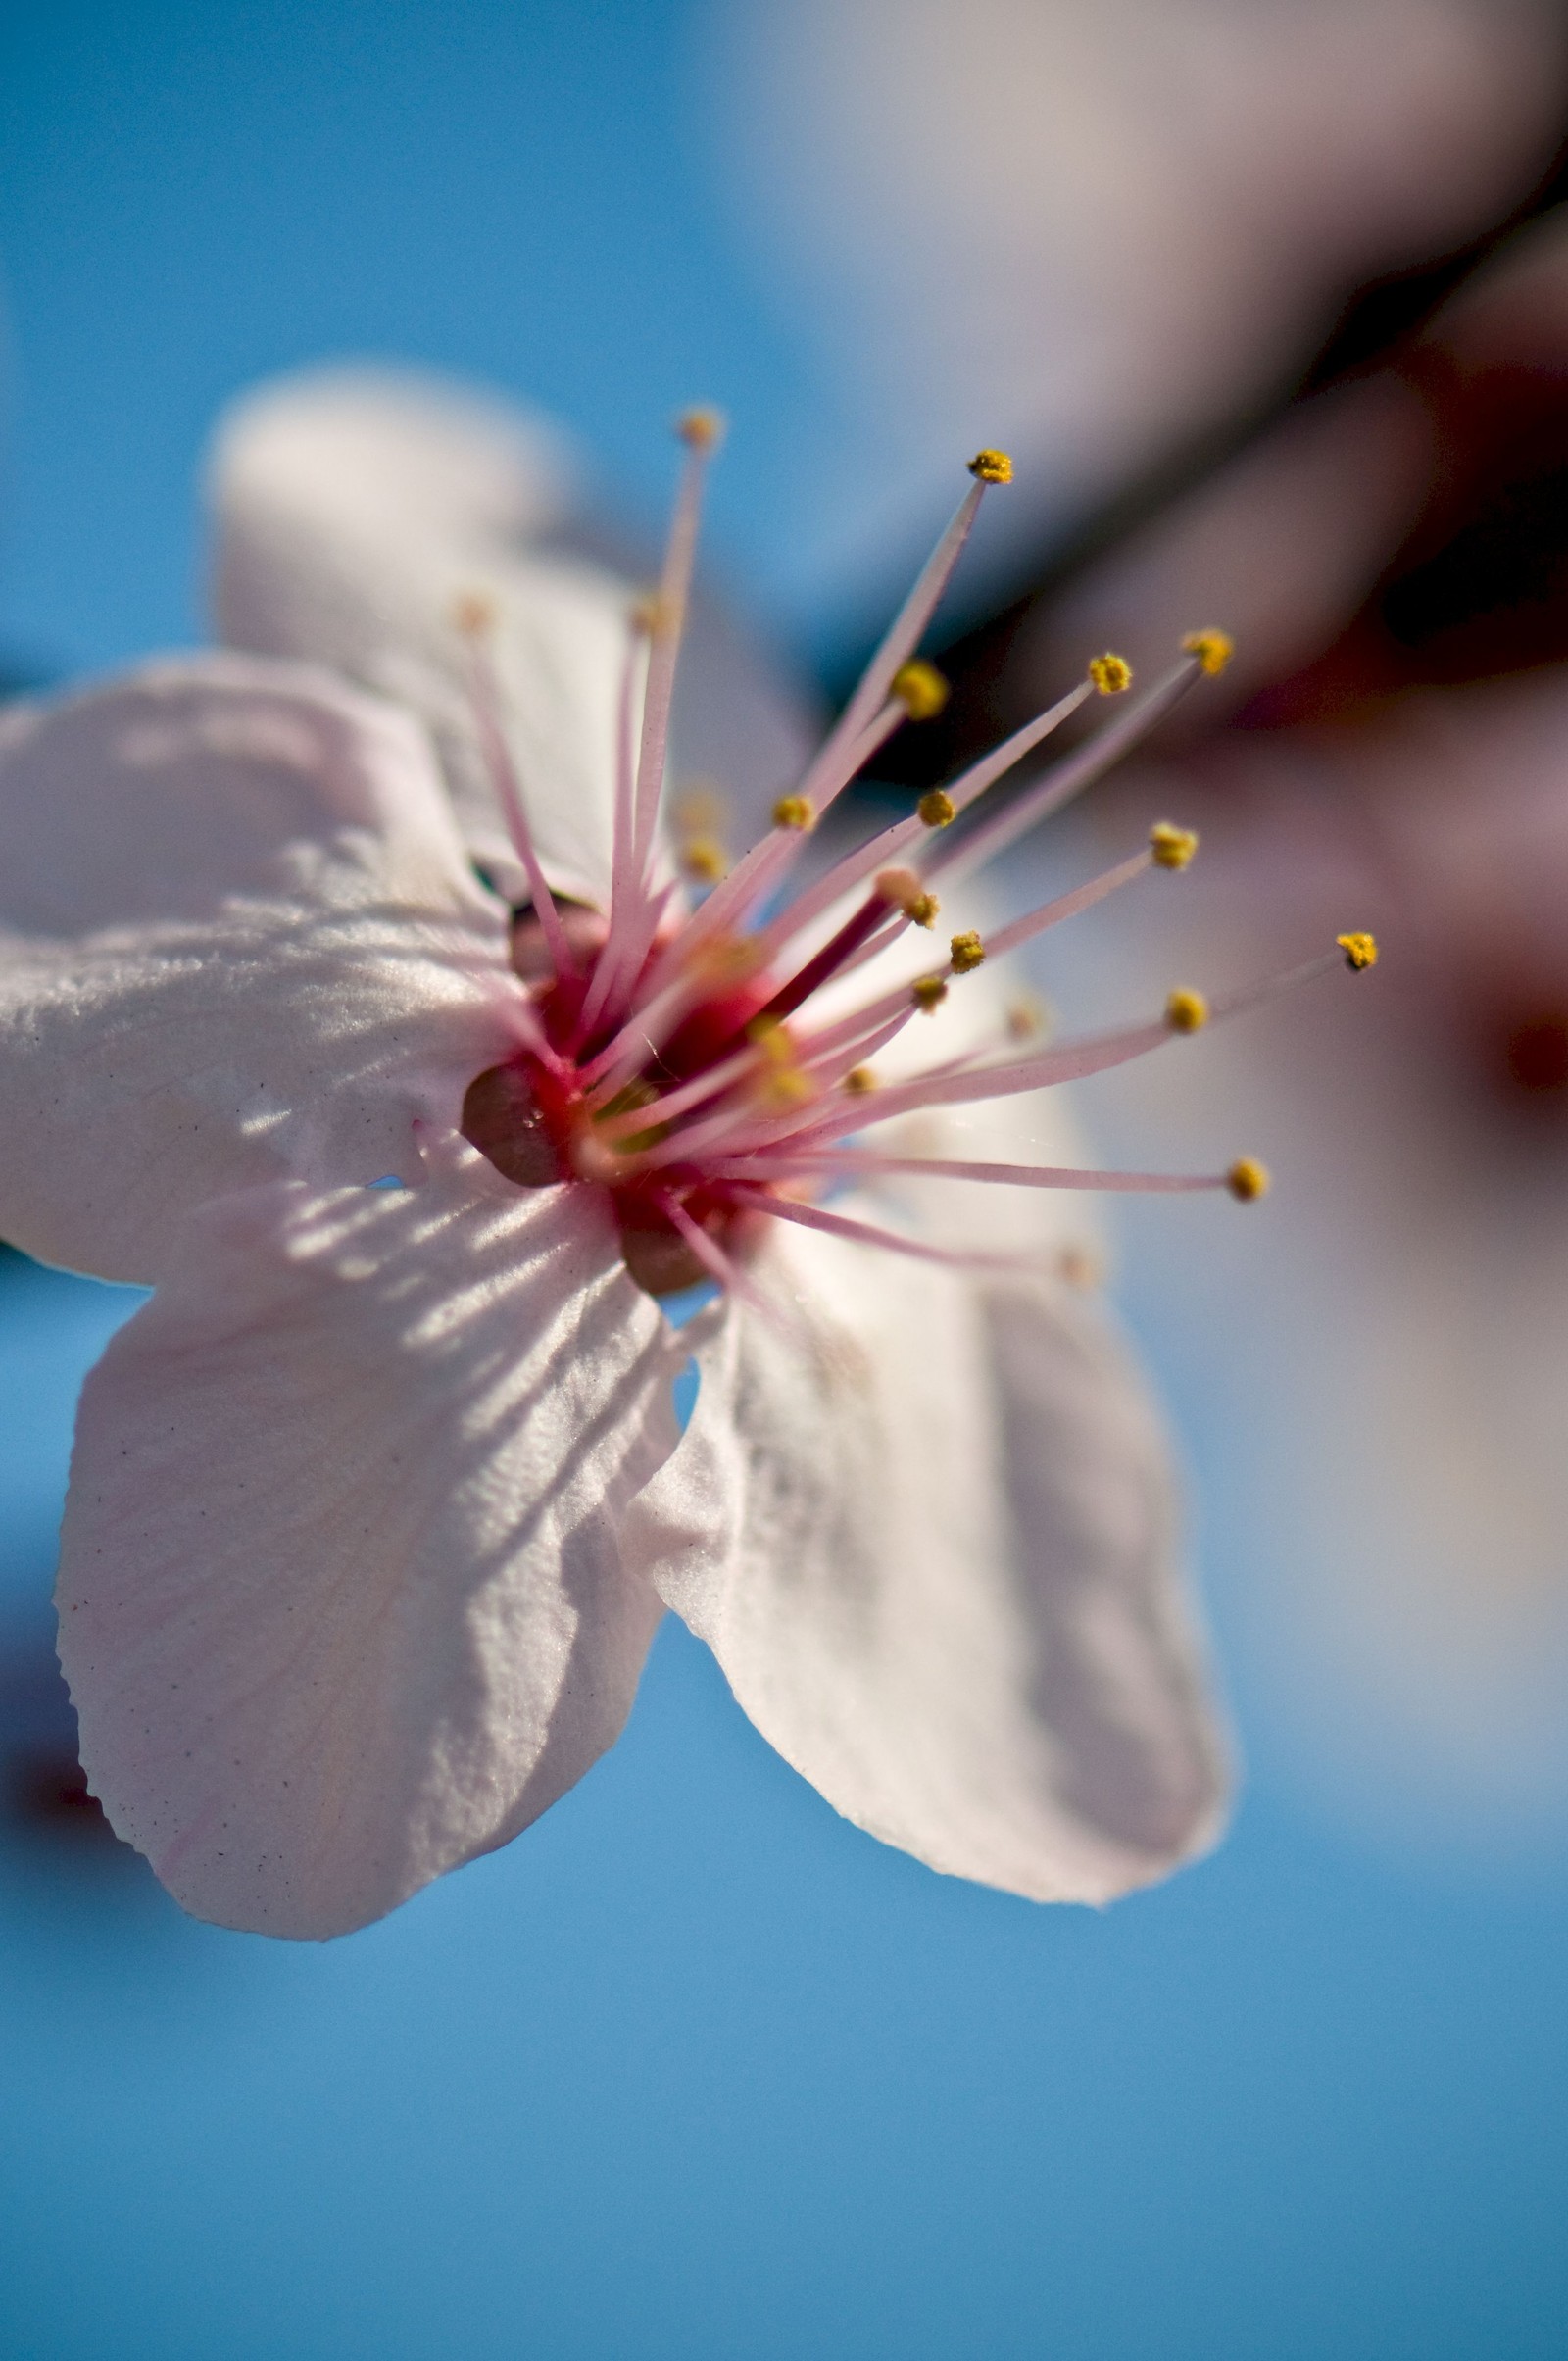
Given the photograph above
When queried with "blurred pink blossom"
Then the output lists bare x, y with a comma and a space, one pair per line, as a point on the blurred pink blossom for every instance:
1098, 230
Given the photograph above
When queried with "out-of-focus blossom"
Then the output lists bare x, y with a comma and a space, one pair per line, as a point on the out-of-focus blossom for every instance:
1128, 220
1091, 231
375, 1504
1401, 733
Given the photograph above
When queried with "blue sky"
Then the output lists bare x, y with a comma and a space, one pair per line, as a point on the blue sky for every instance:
694, 2069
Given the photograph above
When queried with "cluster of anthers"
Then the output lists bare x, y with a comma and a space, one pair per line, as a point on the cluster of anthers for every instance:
672, 1054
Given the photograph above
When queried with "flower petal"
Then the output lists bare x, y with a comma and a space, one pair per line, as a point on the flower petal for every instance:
928, 1530
353, 506
354, 510
238, 937
343, 1596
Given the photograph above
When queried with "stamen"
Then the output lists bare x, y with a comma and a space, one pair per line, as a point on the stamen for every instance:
902, 889
1172, 848
1071, 775
866, 922
866, 1233
664, 1082
1070, 1061
625, 913
634, 926
903, 634
1068, 906
475, 619
658, 1109
711, 1256
849, 1164
1185, 1012
863, 1029
1111, 674
848, 873
704, 861
700, 431
1212, 648
651, 1025
755, 876
1360, 951
920, 689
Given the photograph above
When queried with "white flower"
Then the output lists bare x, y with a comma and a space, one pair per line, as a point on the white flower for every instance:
376, 1503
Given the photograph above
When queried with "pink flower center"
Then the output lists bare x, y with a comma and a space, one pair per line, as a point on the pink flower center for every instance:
540, 1121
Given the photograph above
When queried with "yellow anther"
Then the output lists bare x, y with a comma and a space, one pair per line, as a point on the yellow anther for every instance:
795, 812
967, 952
644, 613
1212, 648
473, 614
1185, 1012
1248, 1180
992, 466
920, 689
1111, 673
1360, 951
700, 429
901, 888
1172, 847
859, 1080
929, 993
937, 808
704, 859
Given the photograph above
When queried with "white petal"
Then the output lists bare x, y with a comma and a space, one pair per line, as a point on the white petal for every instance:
343, 1601
238, 937
932, 1541
353, 506
352, 509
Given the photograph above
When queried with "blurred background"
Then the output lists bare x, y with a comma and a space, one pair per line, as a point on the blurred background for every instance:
1270, 300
